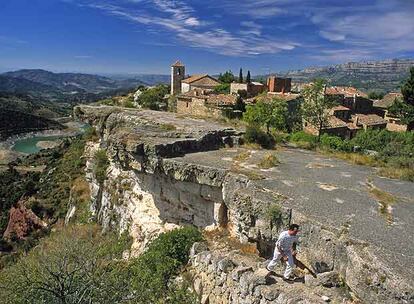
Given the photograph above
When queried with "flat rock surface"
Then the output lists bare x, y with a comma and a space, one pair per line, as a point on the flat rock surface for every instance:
333, 192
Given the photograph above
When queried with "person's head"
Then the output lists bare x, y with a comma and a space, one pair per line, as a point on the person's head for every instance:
293, 229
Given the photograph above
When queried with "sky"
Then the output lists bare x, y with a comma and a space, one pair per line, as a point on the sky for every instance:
209, 36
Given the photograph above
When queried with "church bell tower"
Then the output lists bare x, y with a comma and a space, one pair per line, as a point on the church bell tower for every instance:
177, 75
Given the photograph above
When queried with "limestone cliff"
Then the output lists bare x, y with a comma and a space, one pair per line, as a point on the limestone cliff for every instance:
166, 170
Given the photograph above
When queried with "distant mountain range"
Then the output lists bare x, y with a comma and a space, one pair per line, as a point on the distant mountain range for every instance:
64, 87
385, 75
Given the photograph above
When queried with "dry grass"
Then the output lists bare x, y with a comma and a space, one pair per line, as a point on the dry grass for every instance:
245, 155
385, 201
268, 161
397, 173
221, 239
305, 145
354, 158
252, 175
167, 127
252, 146
81, 190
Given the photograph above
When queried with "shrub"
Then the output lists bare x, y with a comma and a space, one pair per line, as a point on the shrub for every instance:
331, 142
151, 273
303, 136
270, 160
255, 135
304, 140
101, 165
273, 214
70, 265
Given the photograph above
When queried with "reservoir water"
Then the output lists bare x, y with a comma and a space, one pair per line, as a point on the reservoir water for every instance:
29, 145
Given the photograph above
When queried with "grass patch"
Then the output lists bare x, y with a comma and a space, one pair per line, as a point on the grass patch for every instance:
397, 173
101, 164
385, 201
354, 158
247, 172
268, 161
168, 127
245, 155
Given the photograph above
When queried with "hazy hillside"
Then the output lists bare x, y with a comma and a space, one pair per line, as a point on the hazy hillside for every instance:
383, 75
67, 87
67, 82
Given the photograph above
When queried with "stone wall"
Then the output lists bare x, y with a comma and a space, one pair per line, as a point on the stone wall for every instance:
197, 107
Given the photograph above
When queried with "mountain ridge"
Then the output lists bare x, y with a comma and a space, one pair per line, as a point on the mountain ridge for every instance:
381, 75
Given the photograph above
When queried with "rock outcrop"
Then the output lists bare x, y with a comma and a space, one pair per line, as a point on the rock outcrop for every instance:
22, 222
166, 171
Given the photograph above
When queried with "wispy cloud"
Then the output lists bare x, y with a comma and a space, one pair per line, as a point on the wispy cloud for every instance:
181, 19
11, 40
379, 27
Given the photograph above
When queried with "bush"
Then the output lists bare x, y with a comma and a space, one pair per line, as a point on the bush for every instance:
70, 265
151, 273
254, 135
303, 136
304, 140
101, 165
336, 143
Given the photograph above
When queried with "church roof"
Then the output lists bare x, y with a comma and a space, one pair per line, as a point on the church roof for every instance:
178, 63
194, 78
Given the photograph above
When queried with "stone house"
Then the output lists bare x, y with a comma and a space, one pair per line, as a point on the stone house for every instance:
205, 103
279, 84
352, 98
381, 107
354, 111
182, 84
204, 82
252, 89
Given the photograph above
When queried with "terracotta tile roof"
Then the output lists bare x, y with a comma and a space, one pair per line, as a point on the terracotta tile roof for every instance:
346, 91
369, 119
283, 96
222, 99
335, 122
194, 78
387, 100
178, 63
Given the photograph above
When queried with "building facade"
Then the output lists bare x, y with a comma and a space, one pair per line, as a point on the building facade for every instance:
177, 76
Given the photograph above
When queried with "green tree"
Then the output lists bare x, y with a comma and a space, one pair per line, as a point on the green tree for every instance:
71, 266
375, 95
248, 77
223, 88
241, 75
267, 114
315, 106
227, 77
407, 89
404, 109
153, 98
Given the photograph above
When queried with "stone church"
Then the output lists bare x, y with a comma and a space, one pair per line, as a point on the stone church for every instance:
182, 84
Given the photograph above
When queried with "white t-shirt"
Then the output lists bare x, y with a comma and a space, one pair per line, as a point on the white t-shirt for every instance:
285, 241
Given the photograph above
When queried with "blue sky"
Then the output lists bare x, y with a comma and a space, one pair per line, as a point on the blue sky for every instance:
146, 36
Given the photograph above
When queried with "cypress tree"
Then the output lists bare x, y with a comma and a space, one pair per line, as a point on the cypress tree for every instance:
407, 88
248, 80
241, 76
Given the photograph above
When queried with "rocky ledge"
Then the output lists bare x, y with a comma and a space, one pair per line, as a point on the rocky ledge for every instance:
167, 170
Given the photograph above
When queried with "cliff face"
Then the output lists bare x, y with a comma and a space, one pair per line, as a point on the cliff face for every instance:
166, 171
372, 75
